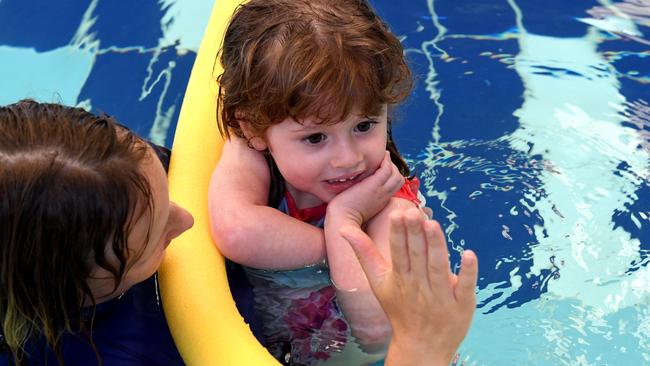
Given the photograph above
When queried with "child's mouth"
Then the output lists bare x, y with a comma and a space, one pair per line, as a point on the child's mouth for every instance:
339, 185
343, 180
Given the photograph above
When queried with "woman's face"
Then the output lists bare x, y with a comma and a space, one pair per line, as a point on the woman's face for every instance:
146, 253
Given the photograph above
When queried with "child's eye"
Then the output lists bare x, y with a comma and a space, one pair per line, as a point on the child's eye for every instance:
365, 126
315, 138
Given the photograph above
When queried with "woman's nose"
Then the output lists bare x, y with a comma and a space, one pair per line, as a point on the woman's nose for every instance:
183, 220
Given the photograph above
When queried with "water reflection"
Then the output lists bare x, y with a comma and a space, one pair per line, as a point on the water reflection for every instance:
552, 199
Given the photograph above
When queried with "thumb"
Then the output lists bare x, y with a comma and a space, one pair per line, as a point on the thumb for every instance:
372, 262
465, 290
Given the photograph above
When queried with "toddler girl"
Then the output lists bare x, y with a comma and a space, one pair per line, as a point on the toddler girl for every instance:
305, 99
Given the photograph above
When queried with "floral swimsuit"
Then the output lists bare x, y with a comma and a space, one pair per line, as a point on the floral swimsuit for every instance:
301, 320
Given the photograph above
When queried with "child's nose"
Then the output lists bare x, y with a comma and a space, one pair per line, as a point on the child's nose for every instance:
346, 156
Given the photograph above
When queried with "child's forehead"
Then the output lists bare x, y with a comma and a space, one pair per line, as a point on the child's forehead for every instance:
333, 114
335, 117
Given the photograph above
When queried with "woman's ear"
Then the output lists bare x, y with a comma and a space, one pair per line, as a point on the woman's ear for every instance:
254, 141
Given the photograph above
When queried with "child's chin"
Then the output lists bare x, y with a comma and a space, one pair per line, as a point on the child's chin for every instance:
338, 188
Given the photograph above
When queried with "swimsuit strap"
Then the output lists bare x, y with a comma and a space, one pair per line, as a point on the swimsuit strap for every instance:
277, 186
409, 190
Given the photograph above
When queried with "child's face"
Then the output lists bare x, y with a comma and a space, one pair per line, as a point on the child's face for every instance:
319, 161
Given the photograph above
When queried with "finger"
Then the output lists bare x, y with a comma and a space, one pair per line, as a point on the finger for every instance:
417, 242
383, 173
386, 162
428, 212
386, 159
437, 256
372, 262
465, 291
398, 243
396, 179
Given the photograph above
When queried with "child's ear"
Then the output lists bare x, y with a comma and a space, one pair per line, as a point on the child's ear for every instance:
254, 141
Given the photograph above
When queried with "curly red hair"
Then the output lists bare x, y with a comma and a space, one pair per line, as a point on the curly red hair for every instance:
306, 58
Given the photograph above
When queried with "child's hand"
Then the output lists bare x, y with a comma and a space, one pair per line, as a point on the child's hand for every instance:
429, 307
365, 199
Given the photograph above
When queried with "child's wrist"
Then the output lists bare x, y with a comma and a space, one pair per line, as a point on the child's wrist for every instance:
343, 215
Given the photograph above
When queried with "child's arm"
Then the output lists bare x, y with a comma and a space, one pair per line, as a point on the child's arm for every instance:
429, 307
360, 306
245, 229
249, 232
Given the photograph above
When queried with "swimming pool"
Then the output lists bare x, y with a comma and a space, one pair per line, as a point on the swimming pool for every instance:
529, 127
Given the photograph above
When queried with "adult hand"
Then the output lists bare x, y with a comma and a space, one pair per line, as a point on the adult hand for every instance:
430, 308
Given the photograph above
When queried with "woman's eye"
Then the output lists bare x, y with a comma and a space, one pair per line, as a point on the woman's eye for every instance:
365, 126
315, 138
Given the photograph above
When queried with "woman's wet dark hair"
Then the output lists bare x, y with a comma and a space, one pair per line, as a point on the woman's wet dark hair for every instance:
71, 188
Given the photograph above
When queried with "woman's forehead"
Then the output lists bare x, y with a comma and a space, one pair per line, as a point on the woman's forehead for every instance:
163, 154
152, 219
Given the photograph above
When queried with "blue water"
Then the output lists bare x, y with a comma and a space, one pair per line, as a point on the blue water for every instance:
529, 127
131, 59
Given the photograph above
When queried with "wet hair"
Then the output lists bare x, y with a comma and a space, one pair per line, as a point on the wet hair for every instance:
308, 58
71, 188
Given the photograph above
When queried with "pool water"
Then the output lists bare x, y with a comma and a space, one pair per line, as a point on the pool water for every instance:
529, 127
131, 59
537, 158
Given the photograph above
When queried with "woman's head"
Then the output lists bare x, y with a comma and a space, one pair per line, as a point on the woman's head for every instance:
84, 205
305, 59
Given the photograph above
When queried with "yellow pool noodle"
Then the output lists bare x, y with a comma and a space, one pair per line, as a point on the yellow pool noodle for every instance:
198, 305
